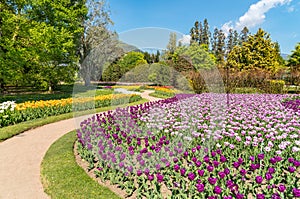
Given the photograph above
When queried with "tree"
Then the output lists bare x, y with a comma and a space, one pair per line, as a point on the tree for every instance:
293, 63
120, 67
244, 35
257, 52
220, 48
196, 54
171, 47
99, 45
195, 33
205, 33
38, 41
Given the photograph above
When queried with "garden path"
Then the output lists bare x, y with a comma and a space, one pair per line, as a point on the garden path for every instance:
22, 155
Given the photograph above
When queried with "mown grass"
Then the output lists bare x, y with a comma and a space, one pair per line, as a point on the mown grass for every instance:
159, 95
62, 92
10, 131
63, 178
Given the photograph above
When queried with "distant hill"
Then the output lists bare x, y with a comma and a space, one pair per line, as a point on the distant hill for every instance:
128, 47
284, 56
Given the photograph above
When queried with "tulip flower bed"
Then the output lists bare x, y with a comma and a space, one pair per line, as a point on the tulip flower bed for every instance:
195, 146
16, 113
293, 103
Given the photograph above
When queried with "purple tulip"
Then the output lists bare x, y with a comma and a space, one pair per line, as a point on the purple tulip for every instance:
258, 179
273, 160
240, 160
139, 172
182, 171
243, 172
236, 165
275, 196
223, 159
216, 163
260, 196
226, 171
206, 159
212, 181
213, 154
239, 196
261, 156
194, 159
175, 160
281, 188
191, 176
210, 168
271, 170
221, 174
176, 167
186, 154
291, 169
227, 197
217, 190
269, 176
297, 163
150, 177
160, 177
291, 160
200, 172
296, 192
200, 187
212, 197
198, 163
278, 158
252, 158
229, 183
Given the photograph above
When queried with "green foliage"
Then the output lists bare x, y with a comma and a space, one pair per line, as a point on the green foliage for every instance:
294, 66
257, 52
274, 86
127, 63
196, 55
38, 42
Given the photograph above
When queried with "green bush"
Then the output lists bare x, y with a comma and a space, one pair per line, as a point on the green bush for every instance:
274, 86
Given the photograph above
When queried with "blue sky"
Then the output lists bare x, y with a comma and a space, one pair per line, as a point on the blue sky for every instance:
132, 19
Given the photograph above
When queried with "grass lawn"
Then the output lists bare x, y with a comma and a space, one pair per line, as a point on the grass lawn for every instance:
63, 178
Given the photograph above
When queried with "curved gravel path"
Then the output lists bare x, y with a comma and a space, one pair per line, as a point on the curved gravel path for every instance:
22, 155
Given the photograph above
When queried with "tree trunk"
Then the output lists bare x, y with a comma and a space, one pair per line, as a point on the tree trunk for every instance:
87, 81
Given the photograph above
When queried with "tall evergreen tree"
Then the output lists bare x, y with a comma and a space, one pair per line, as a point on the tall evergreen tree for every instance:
220, 50
244, 35
195, 32
205, 33
214, 41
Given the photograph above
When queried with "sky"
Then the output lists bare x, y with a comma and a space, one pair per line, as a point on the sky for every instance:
148, 23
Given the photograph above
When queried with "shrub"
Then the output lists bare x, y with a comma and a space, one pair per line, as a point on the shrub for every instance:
274, 86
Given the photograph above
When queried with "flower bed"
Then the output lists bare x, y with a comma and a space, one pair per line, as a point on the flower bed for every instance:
293, 103
16, 113
195, 146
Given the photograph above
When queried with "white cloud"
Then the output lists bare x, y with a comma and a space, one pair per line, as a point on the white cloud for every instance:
255, 14
291, 9
226, 27
185, 39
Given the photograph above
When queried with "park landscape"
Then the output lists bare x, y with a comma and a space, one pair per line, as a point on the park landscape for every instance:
218, 117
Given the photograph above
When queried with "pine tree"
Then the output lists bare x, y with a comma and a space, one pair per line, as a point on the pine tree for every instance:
244, 35
205, 33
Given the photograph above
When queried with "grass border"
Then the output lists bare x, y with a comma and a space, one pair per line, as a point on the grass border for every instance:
62, 177
10, 131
